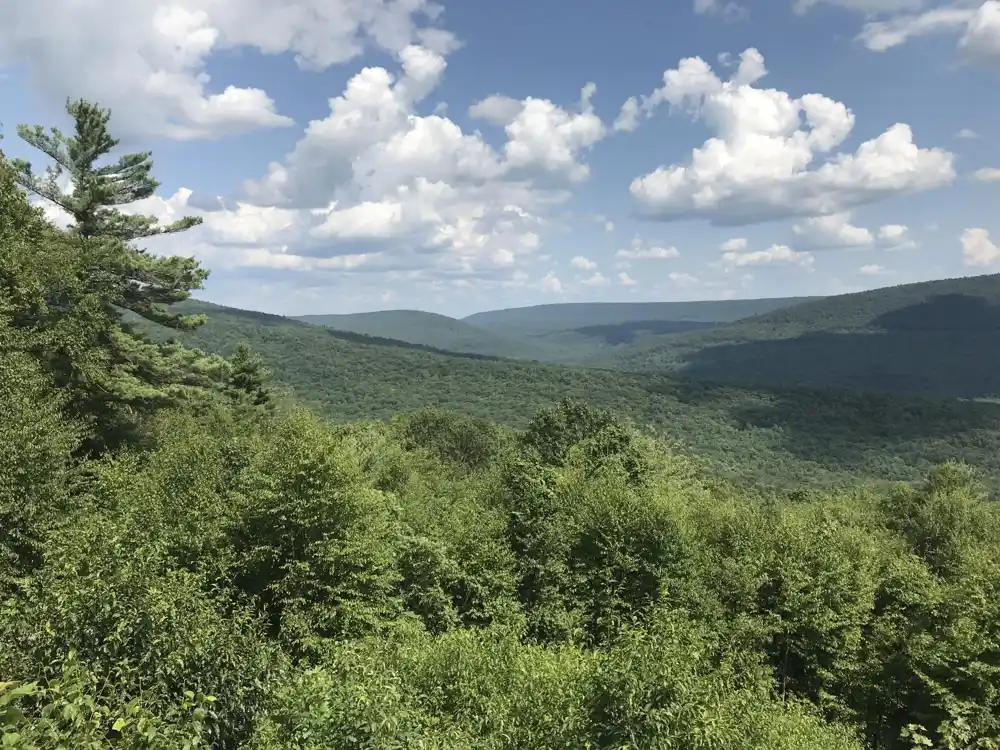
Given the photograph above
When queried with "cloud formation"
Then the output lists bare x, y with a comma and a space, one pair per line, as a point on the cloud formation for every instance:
146, 60
774, 254
979, 25
764, 162
978, 249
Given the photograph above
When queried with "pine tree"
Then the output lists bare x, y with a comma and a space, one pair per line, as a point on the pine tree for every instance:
248, 377
145, 282
65, 294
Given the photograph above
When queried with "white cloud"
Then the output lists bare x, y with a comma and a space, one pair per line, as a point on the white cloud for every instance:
598, 279
831, 231
980, 26
146, 60
625, 280
773, 254
550, 138
895, 237
865, 6
967, 134
981, 40
497, 109
583, 263
551, 283
987, 174
762, 164
376, 172
639, 251
628, 118
728, 9
978, 249
734, 244
683, 279
872, 269
882, 35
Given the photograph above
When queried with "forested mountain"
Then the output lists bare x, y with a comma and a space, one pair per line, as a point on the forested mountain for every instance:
433, 330
932, 338
191, 558
783, 437
566, 333
573, 315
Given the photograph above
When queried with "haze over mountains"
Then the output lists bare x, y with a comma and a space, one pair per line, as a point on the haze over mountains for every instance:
935, 338
772, 424
570, 333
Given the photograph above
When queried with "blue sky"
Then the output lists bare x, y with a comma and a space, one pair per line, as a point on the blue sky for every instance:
352, 155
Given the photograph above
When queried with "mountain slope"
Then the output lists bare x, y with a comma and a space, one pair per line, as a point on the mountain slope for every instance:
932, 338
775, 437
560, 317
431, 329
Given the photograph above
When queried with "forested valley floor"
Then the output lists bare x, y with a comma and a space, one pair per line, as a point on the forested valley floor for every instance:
192, 557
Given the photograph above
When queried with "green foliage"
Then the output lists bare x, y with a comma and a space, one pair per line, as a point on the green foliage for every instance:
71, 710
36, 442
790, 438
96, 190
239, 577
62, 294
867, 341
247, 378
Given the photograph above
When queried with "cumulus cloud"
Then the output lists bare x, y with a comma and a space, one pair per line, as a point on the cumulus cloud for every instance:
551, 283
146, 60
683, 279
497, 109
833, 231
978, 249
979, 26
774, 254
583, 263
638, 250
895, 237
967, 134
764, 163
598, 279
375, 172
625, 280
987, 174
872, 269
734, 244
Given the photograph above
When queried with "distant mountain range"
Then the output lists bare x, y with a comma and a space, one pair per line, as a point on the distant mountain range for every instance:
574, 315
931, 338
766, 436
571, 333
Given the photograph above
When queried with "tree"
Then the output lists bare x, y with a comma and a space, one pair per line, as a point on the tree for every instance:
248, 377
66, 294
144, 282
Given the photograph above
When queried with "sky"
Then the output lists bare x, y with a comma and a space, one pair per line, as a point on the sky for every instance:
358, 155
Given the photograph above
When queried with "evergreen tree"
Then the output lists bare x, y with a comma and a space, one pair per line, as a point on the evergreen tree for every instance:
65, 294
248, 377
144, 282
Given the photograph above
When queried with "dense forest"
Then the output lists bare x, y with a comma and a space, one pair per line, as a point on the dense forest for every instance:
785, 438
191, 557
932, 338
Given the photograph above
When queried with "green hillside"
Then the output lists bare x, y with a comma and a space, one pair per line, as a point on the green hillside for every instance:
931, 338
773, 437
433, 330
560, 317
